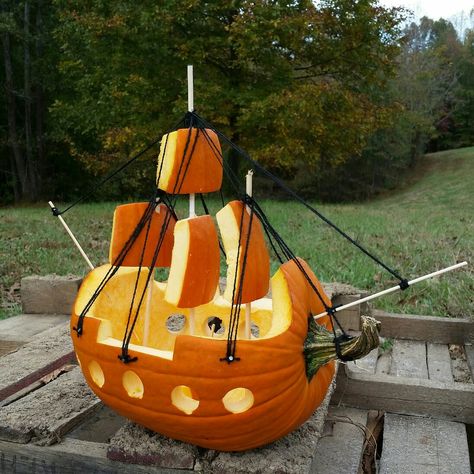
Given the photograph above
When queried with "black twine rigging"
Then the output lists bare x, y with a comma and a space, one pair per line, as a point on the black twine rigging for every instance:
279, 246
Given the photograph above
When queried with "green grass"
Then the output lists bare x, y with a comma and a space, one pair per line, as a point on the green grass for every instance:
421, 228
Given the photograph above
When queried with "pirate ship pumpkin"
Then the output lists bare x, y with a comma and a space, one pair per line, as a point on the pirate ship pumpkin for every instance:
179, 356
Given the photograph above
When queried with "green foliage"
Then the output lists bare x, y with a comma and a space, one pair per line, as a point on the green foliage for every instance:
294, 73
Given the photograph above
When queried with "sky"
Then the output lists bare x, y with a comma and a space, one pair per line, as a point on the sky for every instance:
434, 9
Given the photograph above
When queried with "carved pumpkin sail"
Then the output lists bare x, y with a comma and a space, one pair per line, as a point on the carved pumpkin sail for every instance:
142, 249
194, 273
187, 366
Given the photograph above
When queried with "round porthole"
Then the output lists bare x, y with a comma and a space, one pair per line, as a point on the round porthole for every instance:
182, 398
97, 374
132, 384
175, 323
238, 400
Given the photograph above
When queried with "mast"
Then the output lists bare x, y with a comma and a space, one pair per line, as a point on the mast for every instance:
189, 164
192, 196
248, 306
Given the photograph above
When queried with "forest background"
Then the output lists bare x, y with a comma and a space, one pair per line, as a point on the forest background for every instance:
340, 98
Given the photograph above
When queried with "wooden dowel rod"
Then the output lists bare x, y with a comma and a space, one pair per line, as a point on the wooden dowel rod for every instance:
190, 88
192, 197
146, 323
68, 230
248, 306
393, 289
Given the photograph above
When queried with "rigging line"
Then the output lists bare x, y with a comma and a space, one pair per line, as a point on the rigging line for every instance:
236, 303
125, 357
127, 337
242, 277
114, 266
180, 180
229, 172
297, 197
93, 189
291, 256
206, 211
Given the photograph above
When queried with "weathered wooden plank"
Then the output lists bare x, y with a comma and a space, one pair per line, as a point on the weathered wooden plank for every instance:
48, 351
50, 294
7, 347
439, 362
49, 412
25, 327
409, 359
339, 451
406, 395
68, 457
425, 328
423, 445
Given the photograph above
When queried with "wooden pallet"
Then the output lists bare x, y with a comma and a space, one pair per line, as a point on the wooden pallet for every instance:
426, 369
414, 377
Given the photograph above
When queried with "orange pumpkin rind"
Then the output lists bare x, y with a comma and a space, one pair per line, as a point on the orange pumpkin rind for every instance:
216, 405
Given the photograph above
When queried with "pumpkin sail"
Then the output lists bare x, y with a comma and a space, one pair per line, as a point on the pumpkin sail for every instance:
194, 273
217, 389
243, 239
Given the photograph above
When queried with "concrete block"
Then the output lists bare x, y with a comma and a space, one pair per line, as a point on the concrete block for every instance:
416, 445
51, 294
292, 454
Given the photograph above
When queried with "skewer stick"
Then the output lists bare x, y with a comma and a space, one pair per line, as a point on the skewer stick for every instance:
248, 306
393, 289
146, 323
192, 197
68, 230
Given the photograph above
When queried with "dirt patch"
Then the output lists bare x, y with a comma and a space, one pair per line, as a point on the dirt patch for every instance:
459, 364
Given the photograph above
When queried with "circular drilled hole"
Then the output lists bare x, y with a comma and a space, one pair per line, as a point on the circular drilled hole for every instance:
255, 330
132, 384
175, 323
215, 326
182, 399
238, 400
97, 374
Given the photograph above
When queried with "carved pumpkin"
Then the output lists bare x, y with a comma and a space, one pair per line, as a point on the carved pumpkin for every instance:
179, 387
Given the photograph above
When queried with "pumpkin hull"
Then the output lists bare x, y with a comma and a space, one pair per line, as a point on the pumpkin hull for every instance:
180, 388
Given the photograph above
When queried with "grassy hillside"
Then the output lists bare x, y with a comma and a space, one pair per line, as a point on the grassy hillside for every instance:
423, 227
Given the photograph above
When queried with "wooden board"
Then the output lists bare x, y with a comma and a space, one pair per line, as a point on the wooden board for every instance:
413, 444
25, 327
46, 414
342, 435
439, 362
409, 359
367, 364
48, 351
69, 457
405, 395
425, 328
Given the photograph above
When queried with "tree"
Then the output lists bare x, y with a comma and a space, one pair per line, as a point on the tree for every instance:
258, 66
26, 69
